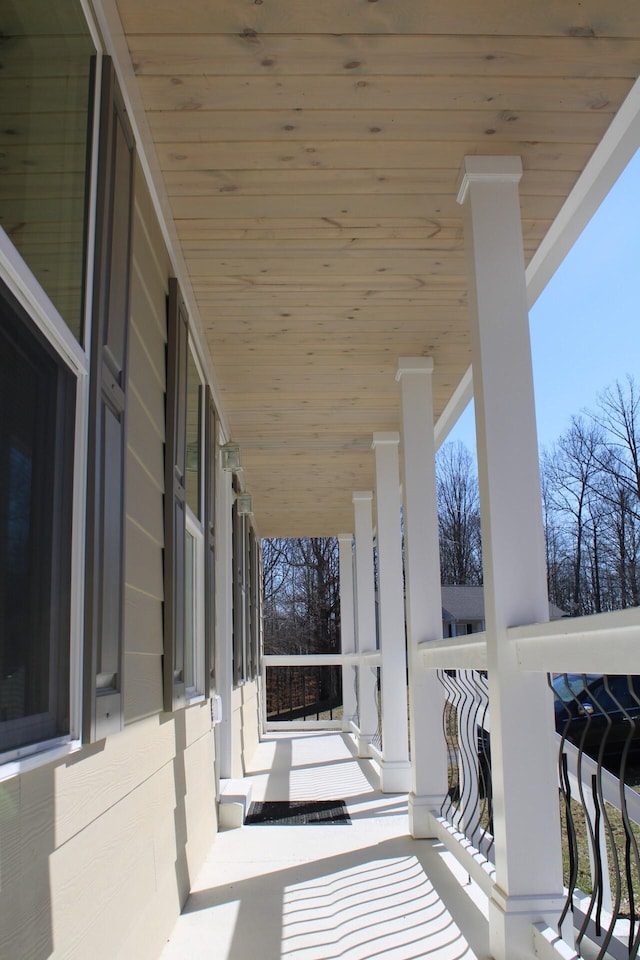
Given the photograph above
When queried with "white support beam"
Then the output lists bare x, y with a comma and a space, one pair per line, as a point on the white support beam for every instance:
347, 628
609, 159
396, 771
526, 815
423, 593
365, 619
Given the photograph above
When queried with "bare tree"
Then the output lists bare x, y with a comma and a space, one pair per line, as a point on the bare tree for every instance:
619, 418
301, 595
458, 516
572, 471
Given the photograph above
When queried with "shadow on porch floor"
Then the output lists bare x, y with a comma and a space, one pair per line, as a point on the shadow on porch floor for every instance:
328, 892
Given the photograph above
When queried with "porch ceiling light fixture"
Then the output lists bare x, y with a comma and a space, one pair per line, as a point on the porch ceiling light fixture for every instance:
244, 503
230, 453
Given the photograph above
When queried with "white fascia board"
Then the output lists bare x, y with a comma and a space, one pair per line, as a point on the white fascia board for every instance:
607, 162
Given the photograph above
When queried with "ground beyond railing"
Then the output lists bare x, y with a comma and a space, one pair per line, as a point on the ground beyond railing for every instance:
601, 813
303, 691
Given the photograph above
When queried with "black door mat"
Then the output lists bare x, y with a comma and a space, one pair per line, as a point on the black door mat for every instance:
297, 812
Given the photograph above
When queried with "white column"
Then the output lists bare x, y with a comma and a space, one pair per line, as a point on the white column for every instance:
523, 752
224, 621
423, 599
396, 770
347, 627
365, 619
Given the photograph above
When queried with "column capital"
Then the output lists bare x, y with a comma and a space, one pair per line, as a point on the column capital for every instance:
380, 439
486, 170
362, 495
345, 537
414, 365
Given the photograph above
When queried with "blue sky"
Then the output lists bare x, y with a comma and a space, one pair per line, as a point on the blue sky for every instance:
585, 326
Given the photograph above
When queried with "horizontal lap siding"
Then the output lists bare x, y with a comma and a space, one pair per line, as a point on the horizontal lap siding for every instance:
145, 464
245, 725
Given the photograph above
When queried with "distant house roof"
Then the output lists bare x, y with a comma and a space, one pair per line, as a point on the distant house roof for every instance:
463, 603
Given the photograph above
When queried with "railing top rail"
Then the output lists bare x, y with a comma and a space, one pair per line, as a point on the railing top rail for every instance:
302, 660
599, 643
456, 653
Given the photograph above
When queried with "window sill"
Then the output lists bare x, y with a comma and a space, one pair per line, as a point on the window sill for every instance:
16, 762
192, 698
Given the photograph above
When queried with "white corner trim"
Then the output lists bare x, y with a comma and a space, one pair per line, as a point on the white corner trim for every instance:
35, 300
362, 495
460, 399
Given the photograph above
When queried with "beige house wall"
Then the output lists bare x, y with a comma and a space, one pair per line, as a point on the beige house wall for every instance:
98, 849
245, 725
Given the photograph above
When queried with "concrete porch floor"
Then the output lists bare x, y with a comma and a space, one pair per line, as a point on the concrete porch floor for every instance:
334, 892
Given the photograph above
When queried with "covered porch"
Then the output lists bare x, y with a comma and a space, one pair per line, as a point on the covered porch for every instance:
300, 238
363, 890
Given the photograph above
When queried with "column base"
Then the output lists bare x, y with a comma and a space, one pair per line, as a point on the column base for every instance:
348, 725
422, 813
511, 921
395, 776
364, 741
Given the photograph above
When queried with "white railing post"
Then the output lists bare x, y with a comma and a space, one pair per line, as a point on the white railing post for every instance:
528, 885
347, 627
423, 593
365, 618
396, 771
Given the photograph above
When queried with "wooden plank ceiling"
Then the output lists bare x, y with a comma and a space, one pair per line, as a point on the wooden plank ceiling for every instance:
311, 152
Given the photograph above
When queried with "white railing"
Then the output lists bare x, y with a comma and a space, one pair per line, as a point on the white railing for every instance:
602, 644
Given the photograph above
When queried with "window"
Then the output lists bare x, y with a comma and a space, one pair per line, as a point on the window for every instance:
194, 560
46, 69
193, 636
246, 610
210, 459
37, 418
256, 607
189, 519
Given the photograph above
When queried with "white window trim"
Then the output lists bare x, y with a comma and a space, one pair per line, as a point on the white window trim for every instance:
29, 293
194, 529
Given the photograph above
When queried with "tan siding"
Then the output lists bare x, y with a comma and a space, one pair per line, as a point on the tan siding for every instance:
145, 499
91, 862
144, 561
145, 379
142, 685
97, 850
149, 439
245, 726
142, 622
145, 464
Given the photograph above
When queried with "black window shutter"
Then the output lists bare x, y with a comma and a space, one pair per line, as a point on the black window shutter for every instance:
210, 461
106, 517
175, 499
